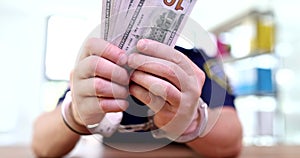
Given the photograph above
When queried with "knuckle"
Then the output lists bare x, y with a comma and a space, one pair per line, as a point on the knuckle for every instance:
92, 63
109, 47
168, 89
112, 48
103, 106
87, 67
170, 71
201, 77
178, 57
99, 86
122, 92
90, 43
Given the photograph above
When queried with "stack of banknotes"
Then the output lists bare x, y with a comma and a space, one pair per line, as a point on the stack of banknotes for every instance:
124, 22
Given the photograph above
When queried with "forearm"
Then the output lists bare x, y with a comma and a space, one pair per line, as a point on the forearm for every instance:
224, 136
51, 137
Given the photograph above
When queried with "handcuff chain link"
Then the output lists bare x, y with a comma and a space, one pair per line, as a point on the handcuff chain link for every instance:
136, 127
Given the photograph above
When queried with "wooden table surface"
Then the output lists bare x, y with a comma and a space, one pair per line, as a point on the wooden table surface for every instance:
100, 151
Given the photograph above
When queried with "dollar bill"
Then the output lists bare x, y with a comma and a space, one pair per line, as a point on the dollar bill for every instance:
110, 9
119, 19
105, 17
160, 20
125, 8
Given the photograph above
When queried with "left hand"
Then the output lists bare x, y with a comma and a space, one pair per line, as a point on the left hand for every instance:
169, 83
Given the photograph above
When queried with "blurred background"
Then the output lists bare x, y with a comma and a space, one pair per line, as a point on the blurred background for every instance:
257, 42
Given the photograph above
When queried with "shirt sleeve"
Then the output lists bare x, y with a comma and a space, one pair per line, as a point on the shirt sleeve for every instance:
216, 91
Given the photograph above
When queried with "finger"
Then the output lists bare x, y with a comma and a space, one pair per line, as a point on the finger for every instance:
159, 50
96, 66
91, 109
163, 117
101, 88
157, 86
158, 67
113, 105
155, 103
102, 48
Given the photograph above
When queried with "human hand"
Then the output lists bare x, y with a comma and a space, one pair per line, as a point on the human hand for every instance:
169, 83
98, 82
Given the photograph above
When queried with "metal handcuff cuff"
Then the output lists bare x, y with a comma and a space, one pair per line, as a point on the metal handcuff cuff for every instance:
111, 123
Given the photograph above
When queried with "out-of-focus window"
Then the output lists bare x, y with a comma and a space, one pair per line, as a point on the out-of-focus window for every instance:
65, 36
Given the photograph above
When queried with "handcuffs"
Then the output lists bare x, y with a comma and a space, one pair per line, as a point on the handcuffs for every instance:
111, 123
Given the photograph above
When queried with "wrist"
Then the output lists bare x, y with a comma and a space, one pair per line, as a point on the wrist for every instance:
201, 124
69, 119
196, 128
194, 124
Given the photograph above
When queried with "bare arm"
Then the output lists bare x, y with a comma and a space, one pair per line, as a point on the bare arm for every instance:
223, 138
51, 137
174, 97
96, 90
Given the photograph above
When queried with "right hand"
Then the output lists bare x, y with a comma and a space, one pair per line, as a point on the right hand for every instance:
99, 82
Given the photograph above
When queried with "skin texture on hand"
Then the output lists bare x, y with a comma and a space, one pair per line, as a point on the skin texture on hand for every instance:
163, 78
99, 82
168, 83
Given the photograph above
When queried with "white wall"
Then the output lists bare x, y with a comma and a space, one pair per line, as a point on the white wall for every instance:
22, 48
22, 39
288, 40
